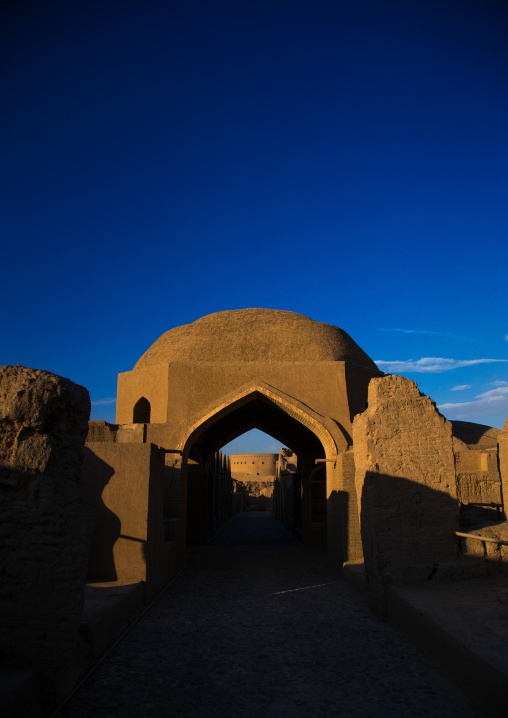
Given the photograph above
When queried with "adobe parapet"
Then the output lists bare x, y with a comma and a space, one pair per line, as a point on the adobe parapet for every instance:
258, 464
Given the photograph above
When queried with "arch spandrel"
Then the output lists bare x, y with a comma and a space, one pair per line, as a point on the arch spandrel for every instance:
331, 437
190, 366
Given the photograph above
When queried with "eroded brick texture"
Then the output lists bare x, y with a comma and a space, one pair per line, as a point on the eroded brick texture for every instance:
503, 465
343, 525
45, 525
477, 474
405, 481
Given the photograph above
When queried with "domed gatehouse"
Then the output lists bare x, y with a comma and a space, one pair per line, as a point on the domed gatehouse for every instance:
201, 385
384, 489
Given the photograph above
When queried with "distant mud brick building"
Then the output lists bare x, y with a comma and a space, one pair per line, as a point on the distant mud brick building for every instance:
257, 475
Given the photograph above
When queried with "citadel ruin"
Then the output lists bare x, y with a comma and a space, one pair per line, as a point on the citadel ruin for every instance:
372, 474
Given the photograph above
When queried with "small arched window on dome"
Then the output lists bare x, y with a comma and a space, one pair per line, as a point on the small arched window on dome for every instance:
141, 413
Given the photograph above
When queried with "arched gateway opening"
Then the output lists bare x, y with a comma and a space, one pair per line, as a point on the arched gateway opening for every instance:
302, 504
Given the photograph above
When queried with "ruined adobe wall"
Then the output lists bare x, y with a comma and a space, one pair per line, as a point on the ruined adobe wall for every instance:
477, 473
45, 522
503, 464
287, 462
477, 470
255, 475
488, 556
405, 482
255, 486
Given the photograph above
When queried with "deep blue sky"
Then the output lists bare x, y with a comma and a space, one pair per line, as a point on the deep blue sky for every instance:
345, 160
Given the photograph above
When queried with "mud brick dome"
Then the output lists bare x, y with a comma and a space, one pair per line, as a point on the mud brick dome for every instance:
255, 335
193, 371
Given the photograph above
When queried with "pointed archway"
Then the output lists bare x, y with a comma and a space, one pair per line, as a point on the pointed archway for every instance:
290, 422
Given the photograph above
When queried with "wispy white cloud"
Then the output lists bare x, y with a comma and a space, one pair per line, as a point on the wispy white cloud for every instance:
104, 402
461, 387
506, 337
273, 448
492, 401
417, 331
430, 364
450, 335
499, 382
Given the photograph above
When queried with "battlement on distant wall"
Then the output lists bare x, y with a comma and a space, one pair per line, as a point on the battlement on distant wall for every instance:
254, 464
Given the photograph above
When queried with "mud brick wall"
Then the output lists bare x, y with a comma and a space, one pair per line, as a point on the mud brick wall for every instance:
503, 465
45, 523
478, 479
405, 481
344, 540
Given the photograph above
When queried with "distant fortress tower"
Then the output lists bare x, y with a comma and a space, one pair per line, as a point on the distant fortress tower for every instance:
254, 464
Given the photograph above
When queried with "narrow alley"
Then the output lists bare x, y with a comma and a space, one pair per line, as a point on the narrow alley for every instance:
258, 625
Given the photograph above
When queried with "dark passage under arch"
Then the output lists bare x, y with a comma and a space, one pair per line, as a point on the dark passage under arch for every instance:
298, 502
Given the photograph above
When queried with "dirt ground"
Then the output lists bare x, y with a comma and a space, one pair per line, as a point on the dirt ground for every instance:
257, 625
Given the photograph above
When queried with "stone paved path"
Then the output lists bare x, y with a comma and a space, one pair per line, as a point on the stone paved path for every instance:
257, 626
